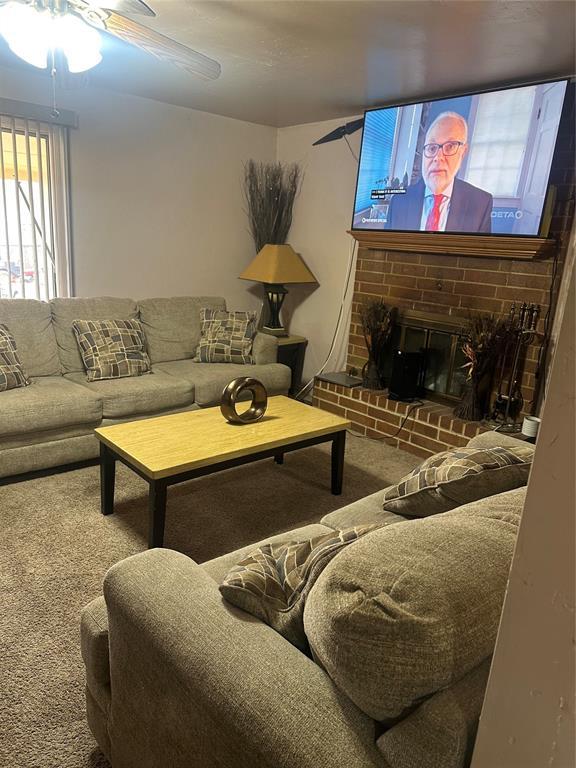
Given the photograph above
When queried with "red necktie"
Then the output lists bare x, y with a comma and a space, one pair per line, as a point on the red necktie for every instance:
433, 220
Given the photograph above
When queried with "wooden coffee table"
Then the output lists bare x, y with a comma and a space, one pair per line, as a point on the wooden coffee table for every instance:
171, 449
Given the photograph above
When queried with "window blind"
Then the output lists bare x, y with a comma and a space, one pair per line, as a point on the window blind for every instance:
377, 147
34, 210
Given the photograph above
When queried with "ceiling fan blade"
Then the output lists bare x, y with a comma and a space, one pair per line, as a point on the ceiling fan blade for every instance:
131, 7
341, 131
337, 133
162, 47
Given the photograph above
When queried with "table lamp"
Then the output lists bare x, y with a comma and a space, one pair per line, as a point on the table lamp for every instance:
275, 265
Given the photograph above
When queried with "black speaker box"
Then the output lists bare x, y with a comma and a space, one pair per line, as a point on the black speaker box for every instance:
405, 377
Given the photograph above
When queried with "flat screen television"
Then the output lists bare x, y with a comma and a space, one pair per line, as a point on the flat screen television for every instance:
475, 164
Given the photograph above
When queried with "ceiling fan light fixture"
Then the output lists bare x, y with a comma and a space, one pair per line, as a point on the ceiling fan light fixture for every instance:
35, 29
32, 34
27, 32
79, 42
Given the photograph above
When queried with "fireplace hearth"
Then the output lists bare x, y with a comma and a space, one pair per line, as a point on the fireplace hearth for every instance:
423, 428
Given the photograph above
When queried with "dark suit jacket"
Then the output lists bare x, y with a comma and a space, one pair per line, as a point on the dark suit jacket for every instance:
470, 209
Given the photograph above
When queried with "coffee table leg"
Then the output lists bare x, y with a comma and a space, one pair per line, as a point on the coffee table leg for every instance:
279, 458
338, 446
157, 513
107, 477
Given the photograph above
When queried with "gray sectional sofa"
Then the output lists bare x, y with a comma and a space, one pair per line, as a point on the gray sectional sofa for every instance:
176, 676
51, 422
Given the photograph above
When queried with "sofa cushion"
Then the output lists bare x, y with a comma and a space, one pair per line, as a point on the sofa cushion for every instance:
272, 582
30, 322
142, 394
172, 325
12, 374
413, 607
65, 311
209, 379
226, 337
50, 402
458, 476
112, 349
364, 511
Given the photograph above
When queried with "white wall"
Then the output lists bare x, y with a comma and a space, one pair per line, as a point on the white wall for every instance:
156, 193
322, 216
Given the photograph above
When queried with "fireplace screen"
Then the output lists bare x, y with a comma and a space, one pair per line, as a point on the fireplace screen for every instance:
443, 375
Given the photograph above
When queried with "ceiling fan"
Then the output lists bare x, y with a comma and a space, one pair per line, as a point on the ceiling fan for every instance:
341, 132
34, 29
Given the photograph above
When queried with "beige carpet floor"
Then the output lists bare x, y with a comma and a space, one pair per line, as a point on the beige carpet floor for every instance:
55, 548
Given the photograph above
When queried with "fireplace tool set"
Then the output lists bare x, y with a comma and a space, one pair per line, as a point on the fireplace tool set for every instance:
522, 332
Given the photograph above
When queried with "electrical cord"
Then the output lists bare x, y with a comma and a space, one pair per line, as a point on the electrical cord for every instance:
351, 263
354, 155
542, 351
304, 390
409, 412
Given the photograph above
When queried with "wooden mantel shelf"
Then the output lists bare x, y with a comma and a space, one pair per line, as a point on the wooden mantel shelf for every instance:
489, 246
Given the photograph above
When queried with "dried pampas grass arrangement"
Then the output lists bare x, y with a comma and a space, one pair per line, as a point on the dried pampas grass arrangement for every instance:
270, 190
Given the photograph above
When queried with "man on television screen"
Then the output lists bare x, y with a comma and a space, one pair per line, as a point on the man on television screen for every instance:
439, 202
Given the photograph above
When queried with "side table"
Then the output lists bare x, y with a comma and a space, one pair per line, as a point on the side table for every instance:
291, 351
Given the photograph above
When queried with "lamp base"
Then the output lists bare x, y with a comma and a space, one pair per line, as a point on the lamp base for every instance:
274, 331
275, 295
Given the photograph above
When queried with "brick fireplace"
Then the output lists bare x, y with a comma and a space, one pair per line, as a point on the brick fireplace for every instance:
452, 286
433, 285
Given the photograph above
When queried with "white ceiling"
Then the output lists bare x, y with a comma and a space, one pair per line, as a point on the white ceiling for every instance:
286, 62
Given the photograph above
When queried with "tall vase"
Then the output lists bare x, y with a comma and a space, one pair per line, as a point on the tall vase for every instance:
371, 378
476, 399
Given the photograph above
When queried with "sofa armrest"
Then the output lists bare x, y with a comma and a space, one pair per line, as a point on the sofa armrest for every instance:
95, 653
441, 731
493, 438
265, 349
199, 683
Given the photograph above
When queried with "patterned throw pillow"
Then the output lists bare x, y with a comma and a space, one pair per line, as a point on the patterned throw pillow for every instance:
112, 349
452, 478
273, 581
226, 337
12, 374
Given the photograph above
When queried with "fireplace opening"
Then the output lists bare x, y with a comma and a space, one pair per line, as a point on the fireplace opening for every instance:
443, 375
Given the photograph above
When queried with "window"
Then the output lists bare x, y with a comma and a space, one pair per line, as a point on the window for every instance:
498, 143
34, 210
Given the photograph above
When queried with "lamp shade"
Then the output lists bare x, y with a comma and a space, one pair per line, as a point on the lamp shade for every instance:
278, 264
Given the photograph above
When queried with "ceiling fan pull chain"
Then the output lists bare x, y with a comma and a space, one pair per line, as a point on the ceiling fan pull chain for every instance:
55, 111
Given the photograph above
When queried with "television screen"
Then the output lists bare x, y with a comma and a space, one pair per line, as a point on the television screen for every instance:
476, 164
